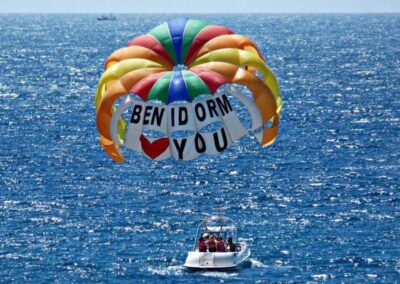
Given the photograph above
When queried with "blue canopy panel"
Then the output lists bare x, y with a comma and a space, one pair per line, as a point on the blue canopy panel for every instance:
177, 89
176, 29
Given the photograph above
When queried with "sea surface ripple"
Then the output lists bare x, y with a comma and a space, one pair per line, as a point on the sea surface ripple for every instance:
321, 204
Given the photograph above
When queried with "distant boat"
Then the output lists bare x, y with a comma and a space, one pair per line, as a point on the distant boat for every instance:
106, 18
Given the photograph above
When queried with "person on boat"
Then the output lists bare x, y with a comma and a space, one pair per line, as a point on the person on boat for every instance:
231, 245
221, 245
212, 246
202, 245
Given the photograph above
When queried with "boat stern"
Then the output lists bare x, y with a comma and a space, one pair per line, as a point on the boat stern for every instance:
216, 260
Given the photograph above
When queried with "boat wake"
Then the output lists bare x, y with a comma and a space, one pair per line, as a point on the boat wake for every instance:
170, 270
256, 264
220, 274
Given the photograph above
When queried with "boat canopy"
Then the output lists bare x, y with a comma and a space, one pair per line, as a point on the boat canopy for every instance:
220, 226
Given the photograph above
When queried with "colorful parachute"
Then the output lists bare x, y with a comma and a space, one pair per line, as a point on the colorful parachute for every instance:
168, 80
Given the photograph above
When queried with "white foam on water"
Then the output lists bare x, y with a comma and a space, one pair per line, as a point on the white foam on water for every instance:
9, 95
256, 263
53, 88
320, 276
47, 220
176, 269
220, 275
369, 260
156, 271
362, 121
170, 270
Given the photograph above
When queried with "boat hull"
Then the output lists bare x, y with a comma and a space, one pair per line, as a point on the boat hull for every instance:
216, 260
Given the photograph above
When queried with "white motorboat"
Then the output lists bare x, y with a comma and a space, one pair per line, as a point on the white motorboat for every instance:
217, 227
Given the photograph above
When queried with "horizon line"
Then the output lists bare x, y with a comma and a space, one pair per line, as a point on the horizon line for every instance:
189, 13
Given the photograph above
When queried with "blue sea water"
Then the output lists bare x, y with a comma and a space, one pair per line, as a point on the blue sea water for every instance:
321, 204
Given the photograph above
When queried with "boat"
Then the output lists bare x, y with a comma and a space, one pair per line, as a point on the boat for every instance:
217, 227
106, 18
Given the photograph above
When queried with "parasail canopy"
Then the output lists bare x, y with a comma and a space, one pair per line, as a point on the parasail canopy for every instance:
175, 82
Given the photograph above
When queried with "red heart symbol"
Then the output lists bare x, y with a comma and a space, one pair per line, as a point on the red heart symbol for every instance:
155, 148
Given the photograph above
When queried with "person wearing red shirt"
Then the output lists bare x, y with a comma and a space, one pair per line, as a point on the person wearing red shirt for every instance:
202, 245
212, 246
221, 245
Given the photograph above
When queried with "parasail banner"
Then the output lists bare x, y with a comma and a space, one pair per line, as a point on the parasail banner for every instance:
192, 118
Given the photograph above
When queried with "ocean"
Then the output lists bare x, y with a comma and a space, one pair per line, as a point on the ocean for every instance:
320, 204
